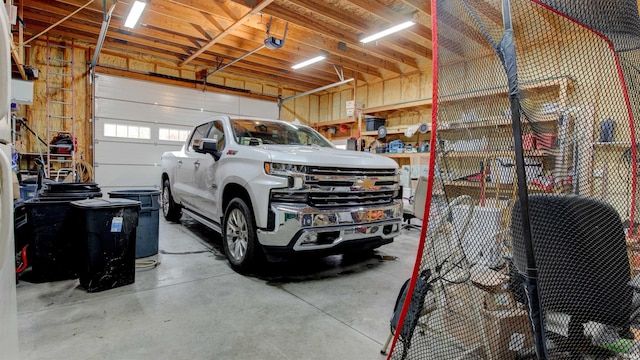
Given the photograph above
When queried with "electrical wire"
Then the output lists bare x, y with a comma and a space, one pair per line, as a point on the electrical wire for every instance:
147, 264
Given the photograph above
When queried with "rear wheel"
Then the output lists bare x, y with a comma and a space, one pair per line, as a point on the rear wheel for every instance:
170, 209
239, 237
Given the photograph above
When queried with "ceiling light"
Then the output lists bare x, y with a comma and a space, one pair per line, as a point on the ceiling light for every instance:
134, 14
388, 31
309, 62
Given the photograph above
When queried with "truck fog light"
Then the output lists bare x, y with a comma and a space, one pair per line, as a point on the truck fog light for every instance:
309, 239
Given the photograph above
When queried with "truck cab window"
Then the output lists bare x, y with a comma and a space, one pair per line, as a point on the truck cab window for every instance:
217, 132
199, 133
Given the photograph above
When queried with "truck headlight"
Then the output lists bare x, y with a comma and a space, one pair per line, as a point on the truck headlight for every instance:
284, 169
295, 173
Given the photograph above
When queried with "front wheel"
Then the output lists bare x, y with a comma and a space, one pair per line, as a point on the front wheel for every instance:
170, 209
239, 237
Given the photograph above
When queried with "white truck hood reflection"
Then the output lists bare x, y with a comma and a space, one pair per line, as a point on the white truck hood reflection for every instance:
325, 156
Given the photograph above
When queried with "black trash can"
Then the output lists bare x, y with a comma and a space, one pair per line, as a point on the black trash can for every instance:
50, 229
106, 242
49, 232
148, 223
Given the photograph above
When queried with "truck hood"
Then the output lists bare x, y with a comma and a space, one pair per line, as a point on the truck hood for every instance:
324, 156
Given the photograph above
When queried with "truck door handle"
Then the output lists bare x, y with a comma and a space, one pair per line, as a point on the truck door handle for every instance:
180, 162
197, 163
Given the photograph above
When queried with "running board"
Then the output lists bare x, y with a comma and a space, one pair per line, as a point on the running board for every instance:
203, 220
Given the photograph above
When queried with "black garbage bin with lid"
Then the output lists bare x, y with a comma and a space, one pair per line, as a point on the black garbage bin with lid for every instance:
148, 223
50, 228
106, 242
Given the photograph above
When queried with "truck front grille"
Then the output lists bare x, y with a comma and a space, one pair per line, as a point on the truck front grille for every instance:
340, 187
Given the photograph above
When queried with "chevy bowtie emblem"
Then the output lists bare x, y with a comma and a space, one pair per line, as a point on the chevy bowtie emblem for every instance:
366, 184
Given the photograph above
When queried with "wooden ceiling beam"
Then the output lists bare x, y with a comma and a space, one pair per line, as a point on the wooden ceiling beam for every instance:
406, 46
424, 6
227, 31
353, 58
392, 17
338, 35
228, 48
87, 34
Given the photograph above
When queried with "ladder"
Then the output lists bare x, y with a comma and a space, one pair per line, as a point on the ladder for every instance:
60, 81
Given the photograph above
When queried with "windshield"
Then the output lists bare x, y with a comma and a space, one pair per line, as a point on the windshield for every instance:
258, 132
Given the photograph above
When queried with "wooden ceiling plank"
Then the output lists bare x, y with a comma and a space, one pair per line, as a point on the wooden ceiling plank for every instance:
381, 11
424, 6
352, 58
183, 43
339, 35
255, 71
58, 22
405, 45
228, 30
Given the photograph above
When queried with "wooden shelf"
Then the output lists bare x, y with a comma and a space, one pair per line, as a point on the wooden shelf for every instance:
333, 123
396, 130
489, 185
415, 104
404, 155
494, 121
615, 144
524, 86
492, 154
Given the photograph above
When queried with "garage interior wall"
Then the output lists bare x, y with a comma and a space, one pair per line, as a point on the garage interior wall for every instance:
132, 159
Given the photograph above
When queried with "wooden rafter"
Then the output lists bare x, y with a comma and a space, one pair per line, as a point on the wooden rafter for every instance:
58, 22
204, 33
228, 30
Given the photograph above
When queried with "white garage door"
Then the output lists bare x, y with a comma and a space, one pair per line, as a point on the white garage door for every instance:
136, 121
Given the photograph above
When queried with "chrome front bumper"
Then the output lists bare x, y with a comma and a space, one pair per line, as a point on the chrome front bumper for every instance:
302, 228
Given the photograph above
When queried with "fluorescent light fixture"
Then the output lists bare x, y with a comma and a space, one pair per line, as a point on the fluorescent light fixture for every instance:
388, 31
309, 62
134, 13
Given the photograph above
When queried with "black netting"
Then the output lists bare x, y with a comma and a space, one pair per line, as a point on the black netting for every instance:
551, 209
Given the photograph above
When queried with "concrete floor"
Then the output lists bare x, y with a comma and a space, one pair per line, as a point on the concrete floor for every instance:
193, 306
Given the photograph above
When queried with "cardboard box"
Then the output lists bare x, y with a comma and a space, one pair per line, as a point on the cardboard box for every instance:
508, 331
16, 186
460, 321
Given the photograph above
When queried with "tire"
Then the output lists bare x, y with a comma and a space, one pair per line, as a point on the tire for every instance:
170, 210
239, 238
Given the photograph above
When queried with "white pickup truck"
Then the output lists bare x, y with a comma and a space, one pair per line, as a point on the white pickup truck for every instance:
277, 188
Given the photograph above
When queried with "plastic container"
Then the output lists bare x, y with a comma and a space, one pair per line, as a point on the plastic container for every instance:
106, 242
49, 234
148, 223
28, 191
373, 123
